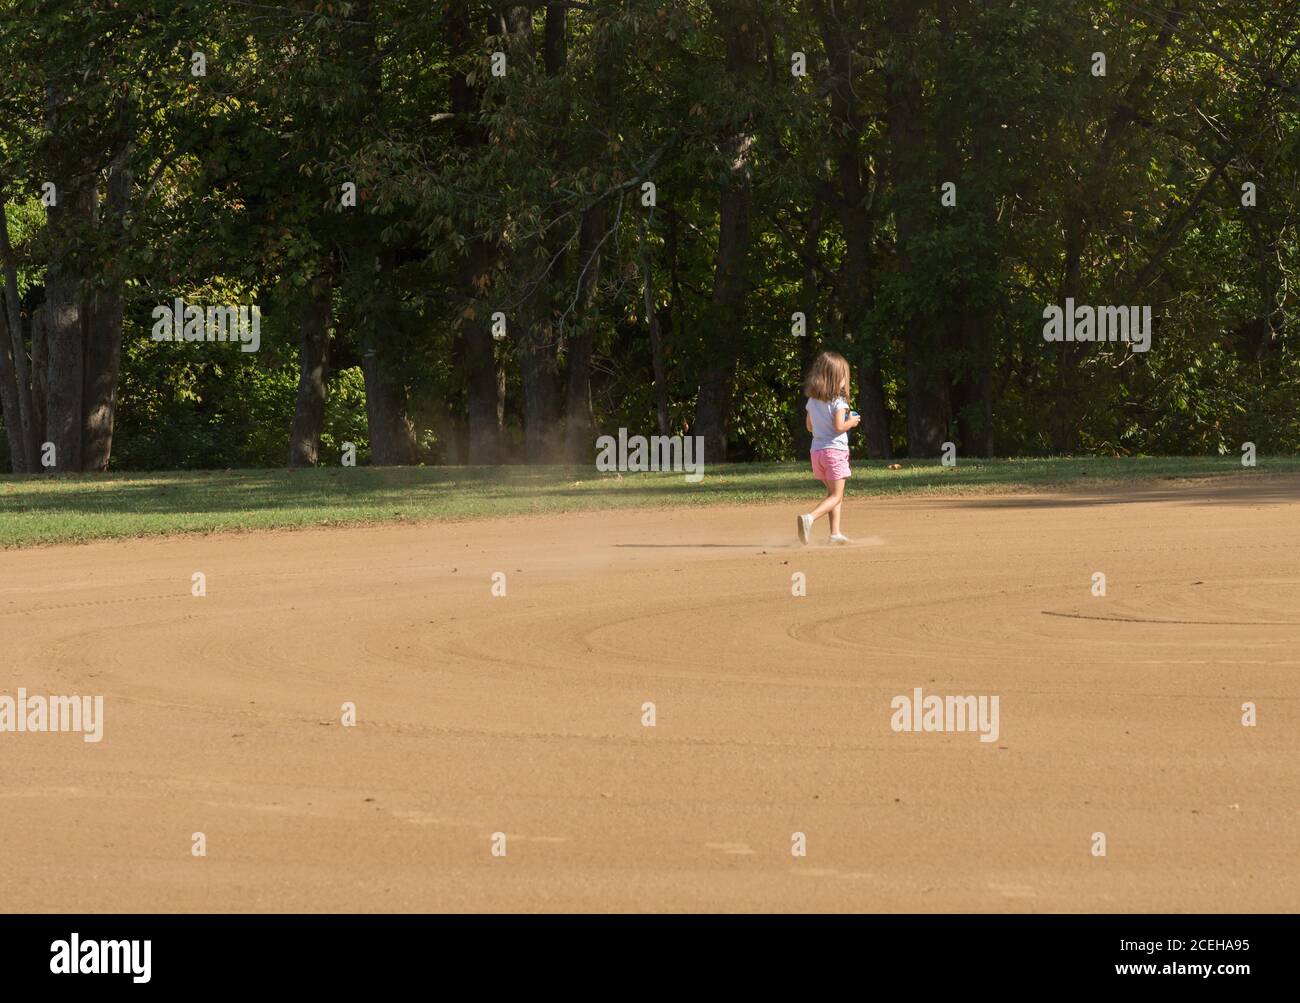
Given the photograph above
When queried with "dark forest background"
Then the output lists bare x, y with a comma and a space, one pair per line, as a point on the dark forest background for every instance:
523, 194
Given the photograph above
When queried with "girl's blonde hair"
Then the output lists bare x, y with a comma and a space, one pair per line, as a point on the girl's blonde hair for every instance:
828, 377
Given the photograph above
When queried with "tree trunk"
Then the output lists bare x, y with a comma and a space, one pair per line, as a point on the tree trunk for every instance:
537, 374
871, 401
657, 361
65, 290
104, 341
731, 272
501, 398
972, 393
24, 421
841, 34
481, 391
538, 338
578, 439
484, 426
911, 171
313, 373
40, 381
9, 400
392, 433
369, 274
809, 290
556, 44
578, 425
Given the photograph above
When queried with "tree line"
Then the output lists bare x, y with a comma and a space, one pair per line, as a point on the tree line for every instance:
483, 232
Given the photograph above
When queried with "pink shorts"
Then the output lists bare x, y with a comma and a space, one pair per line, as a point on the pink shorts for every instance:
831, 464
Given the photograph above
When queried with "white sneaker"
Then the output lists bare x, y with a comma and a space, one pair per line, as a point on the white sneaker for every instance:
840, 538
805, 528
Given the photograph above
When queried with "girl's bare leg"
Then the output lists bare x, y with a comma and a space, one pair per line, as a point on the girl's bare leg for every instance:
839, 507
831, 503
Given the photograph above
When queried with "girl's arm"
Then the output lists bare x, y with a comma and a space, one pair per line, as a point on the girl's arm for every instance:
807, 421
843, 426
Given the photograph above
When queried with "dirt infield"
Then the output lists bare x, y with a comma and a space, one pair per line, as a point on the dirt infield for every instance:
523, 714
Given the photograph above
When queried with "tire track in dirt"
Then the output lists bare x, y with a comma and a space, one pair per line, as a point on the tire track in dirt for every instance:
523, 714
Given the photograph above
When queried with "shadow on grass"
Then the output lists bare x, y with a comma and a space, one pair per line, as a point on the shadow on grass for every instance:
469, 490
239, 491
366, 487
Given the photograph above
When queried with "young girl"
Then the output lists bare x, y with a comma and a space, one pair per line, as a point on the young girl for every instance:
829, 419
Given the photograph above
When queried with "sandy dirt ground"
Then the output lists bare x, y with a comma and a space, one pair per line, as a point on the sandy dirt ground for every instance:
523, 714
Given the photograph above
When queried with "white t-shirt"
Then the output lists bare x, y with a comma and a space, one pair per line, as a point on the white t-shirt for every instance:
823, 424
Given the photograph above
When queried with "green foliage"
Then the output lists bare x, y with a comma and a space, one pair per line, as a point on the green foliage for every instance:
345, 418
473, 190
